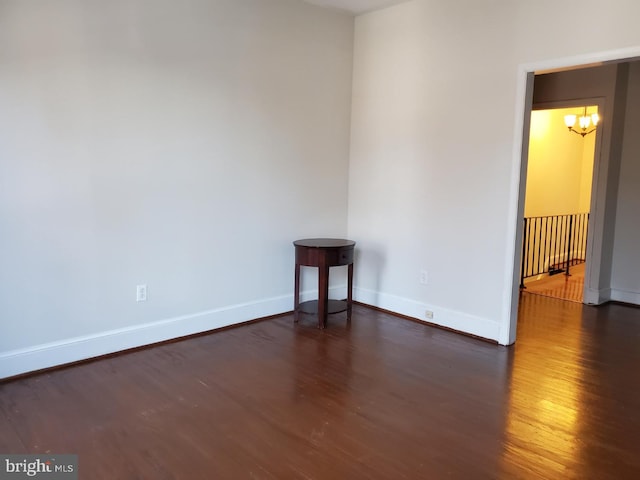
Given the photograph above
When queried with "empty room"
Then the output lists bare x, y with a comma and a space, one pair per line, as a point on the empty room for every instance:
274, 239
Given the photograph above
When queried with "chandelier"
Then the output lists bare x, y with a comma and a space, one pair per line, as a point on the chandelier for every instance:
585, 121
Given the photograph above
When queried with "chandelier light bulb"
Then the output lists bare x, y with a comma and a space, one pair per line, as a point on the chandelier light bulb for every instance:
570, 120
585, 122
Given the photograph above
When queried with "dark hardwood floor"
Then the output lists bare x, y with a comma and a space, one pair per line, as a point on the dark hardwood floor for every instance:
381, 398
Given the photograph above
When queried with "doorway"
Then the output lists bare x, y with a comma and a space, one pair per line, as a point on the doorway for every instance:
557, 201
607, 83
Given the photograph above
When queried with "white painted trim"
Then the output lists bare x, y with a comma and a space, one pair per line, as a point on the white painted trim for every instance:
592, 59
506, 335
459, 321
593, 296
24, 360
625, 296
508, 322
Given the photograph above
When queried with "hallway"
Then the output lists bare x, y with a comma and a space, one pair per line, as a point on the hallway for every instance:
560, 286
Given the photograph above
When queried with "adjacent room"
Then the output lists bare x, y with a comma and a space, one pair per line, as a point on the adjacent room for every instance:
159, 158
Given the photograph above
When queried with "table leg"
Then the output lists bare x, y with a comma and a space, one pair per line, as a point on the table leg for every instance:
296, 295
323, 294
349, 290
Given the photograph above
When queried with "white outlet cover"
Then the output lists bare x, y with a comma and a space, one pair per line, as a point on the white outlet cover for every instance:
141, 293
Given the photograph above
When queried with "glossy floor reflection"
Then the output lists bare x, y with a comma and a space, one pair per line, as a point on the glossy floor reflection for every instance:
379, 398
560, 286
574, 409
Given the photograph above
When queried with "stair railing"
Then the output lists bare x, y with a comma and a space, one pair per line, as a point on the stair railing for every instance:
553, 244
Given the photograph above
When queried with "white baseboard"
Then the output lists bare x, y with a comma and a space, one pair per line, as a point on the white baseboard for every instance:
597, 297
624, 296
459, 321
37, 357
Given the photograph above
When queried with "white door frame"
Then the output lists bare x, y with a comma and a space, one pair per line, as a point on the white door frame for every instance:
524, 102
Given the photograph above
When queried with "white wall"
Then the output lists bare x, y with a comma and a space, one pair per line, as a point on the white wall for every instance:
428, 177
436, 85
184, 145
625, 281
586, 172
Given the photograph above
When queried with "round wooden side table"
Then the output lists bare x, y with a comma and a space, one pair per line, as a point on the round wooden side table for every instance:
323, 253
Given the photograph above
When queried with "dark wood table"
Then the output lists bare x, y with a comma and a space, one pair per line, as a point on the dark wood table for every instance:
323, 253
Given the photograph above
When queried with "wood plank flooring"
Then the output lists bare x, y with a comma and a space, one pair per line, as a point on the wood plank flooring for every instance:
381, 398
570, 288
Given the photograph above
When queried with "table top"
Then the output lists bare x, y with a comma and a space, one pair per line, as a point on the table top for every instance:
324, 243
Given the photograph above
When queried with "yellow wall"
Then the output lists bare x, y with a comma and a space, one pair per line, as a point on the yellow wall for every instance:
584, 203
560, 166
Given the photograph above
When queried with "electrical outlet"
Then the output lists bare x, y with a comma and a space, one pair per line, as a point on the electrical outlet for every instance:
429, 314
424, 277
141, 293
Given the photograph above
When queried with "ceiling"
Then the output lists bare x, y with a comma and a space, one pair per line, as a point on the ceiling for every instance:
355, 6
